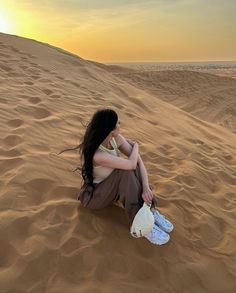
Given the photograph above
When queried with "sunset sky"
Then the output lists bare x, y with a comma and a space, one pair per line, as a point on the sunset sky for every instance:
125, 30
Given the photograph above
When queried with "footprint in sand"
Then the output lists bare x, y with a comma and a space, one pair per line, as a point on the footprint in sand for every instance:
35, 77
28, 82
34, 100
12, 140
47, 91
40, 113
15, 123
36, 112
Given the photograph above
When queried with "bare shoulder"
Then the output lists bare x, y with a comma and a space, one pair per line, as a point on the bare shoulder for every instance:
119, 140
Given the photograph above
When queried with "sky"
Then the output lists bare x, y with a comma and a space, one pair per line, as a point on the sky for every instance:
126, 30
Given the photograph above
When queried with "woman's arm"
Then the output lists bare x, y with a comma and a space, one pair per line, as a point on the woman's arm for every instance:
126, 148
111, 161
143, 172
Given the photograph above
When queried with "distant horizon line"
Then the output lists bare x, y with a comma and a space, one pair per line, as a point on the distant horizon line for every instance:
155, 61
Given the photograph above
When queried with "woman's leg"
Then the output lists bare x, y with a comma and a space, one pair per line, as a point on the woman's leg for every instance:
130, 192
139, 176
122, 185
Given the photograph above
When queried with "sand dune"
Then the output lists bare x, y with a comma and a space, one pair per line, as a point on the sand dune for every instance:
49, 243
207, 96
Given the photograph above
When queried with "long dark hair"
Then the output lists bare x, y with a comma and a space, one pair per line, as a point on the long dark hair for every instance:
101, 124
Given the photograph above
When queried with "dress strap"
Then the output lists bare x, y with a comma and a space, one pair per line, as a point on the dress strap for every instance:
114, 144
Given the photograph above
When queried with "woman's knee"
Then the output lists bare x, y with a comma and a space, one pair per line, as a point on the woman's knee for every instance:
126, 173
131, 175
128, 180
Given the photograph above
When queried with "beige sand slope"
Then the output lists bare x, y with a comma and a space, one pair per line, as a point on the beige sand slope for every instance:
207, 96
48, 242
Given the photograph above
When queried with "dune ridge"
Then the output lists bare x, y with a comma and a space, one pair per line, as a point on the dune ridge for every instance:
49, 243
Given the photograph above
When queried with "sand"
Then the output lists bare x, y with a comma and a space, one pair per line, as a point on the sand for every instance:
48, 242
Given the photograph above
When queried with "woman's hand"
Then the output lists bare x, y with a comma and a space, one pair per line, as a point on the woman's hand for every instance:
147, 195
130, 141
136, 146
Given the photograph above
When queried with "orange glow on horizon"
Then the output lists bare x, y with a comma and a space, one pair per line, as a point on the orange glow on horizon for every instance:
119, 32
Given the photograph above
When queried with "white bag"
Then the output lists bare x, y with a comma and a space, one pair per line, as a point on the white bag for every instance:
143, 222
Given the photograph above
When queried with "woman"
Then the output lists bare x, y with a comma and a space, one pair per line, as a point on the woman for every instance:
108, 178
